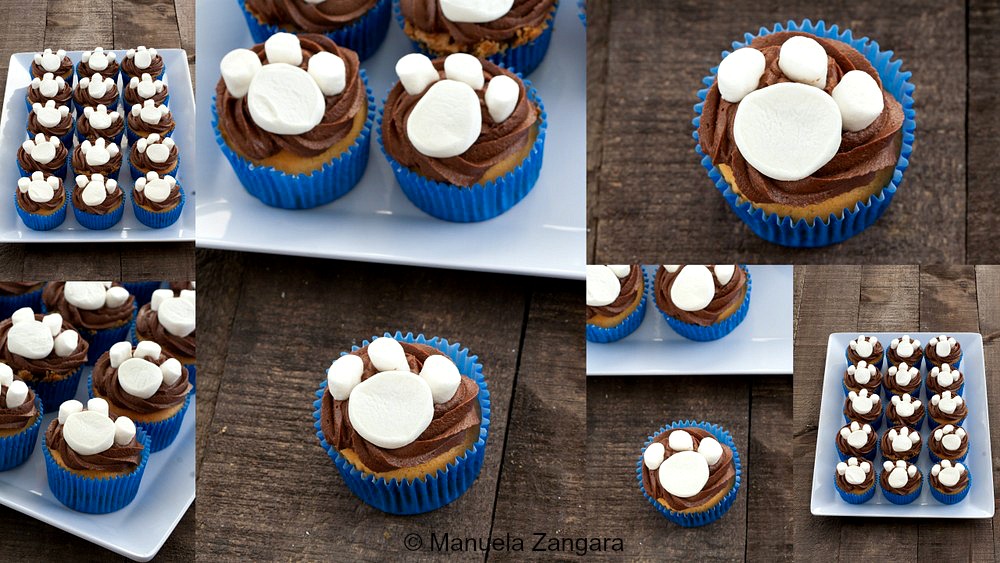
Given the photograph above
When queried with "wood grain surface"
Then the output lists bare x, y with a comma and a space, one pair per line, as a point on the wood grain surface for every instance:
268, 491
888, 298
649, 198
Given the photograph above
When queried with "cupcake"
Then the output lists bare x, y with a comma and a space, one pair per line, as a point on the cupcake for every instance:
148, 119
514, 34
56, 63
901, 443
20, 419
947, 408
866, 348
948, 442
101, 311
616, 301
690, 472
900, 482
145, 385
862, 376
942, 350
52, 121
94, 460
94, 91
905, 410
169, 320
41, 201
99, 123
294, 155
15, 295
43, 154
157, 202
45, 352
855, 480
941, 379
905, 350
703, 302
950, 482
97, 157
800, 134
154, 154
405, 421
863, 407
49, 87
902, 380
141, 61
359, 25
140, 89
98, 61
857, 440
98, 204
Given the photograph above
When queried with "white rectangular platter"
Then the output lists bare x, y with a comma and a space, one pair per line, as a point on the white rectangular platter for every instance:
761, 344
137, 531
12, 133
825, 500
544, 234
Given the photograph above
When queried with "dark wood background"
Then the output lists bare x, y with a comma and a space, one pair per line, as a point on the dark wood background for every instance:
650, 198
875, 299
267, 491
32, 25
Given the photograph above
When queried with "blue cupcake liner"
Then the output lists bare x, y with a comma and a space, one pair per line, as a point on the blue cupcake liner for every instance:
581, 5
896, 498
856, 499
936, 459
363, 36
60, 172
95, 496
128, 107
115, 76
418, 496
55, 393
117, 139
11, 303
39, 222
102, 340
478, 202
161, 433
111, 107
136, 173
715, 331
944, 498
834, 229
523, 58
695, 519
96, 222
67, 139
303, 191
17, 448
142, 292
158, 220
134, 137
629, 323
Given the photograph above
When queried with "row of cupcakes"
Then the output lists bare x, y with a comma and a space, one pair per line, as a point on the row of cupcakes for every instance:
867, 408
902, 442
99, 121
901, 482
939, 351
105, 63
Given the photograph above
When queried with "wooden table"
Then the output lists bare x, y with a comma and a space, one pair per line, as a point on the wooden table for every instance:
649, 199
266, 490
877, 299
29, 26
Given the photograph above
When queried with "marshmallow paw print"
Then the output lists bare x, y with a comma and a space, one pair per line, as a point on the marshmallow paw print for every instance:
141, 56
901, 442
942, 345
48, 85
862, 373
899, 473
137, 375
38, 188
35, 340
49, 115
150, 112
856, 435
98, 59
863, 402
685, 473
283, 98
42, 149
155, 189
175, 313
90, 430
903, 377
948, 439
944, 377
155, 148
905, 405
864, 346
95, 189
905, 347
146, 87
98, 152
947, 402
949, 474
854, 471
50, 60
101, 118
97, 86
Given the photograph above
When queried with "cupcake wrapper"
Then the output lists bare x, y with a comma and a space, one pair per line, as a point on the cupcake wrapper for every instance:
629, 323
39, 222
855, 499
162, 433
834, 229
11, 303
55, 393
97, 222
478, 202
523, 58
158, 220
136, 173
142, 291
363, 36
60, 172
936, 459
717, 330
117, 139
134, 137
945, 498
16, 449
896, 498
303, 191
66, 139
128, 107
581, 5
417, 496
95, 496
695, 519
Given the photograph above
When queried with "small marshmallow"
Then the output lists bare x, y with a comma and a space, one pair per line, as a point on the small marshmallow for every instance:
739, 73
124, 430
442, 377
416, 72
386, 354
653, 456
603, 286
283, 48
502, 95
803, 60
474, 11
66, 343
67, 408
17, 394
464, 68
693, 288
724, 273
171, 370
859, 98
238, 68
344, 375
711, 450
329, 73
6, 375
119, 352
158, 297
115, 297
680, 441
98, 404
147, 349
54, 321
621, 270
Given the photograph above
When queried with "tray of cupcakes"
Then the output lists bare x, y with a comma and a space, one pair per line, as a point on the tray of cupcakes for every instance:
96, 385
97, 137
904, 427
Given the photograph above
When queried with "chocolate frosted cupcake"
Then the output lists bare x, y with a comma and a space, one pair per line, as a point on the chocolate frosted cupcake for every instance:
49, 87
20, 419
153, 154
45, 352
862, 376
942, 350
900, 482
100, 123
901, 443
948, 442
98, 61
52, 121
864, 408
905, 410
148, 119
857, 440
944, 378
169, 320
902, 380
16, 295
141, 88
616, 301
101, 311
43, 154
157, 202
855, 480
302, 154
98, 203
905, 350
56, 63
703, 302
950, 482
97, 157
140, 61
947, 408
94, 91
866, 348
41, 201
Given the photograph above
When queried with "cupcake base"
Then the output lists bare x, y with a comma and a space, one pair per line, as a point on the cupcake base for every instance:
715, 331
628, 325
17, 448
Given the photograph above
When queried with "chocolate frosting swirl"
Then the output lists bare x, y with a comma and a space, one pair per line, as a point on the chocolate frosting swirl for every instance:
108, 169
54, 298
867, 418
257, 144
721, 475
44, 207
896, 419
941, 417
632, 284
865, 485
951, 359
106, 384
297, 15
64, 126
145, 165
939, 450
62, 97
452, 420
84, 127
511, 29
132, 96
496, 142
936, 388
49, 368
30, 165
113, 460
888, 453
19, 288
850, 451
154, 69
911, 486
164, 127
65, 69
874, 359
960, 486
17, 417
148, 327
895, 359
725, 296
861, 155
172, 201
111, 71
873, 383
83, 97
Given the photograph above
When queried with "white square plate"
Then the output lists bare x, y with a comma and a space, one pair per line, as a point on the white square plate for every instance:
12, 133
826, 500
544, 234
137, 531
762, 344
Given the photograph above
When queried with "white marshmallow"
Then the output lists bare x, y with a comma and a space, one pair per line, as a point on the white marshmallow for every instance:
94, 193
947, 402
100, 118
603, 285
188, 294
858, 435
158, 297
446, 121
89, 296
386, 354
67, 408
442, 377
147, 349
902, 440
283, 48
859, 98
898, 473
30, 339
54, 321
24, 314
416, 72
116, 296
905, 405
344, 375
238, 68
119, 352
150, 112
98, 59
50, 61
501, 97
98, 404
89, 432
952, 442
124, 430
66, 343
724, 273
463, 67
38, 187
943, 347
474, 11
863, 402
171, 370
803, 60
158, 152
6, 374
621, 270
948, 474
41, 149
98, 152
155, 188
862, 372
329, 72
49, 115
139, 378
680, 441
653, 456
49, 85
711, 450
693, 288
864, 348
177, 316
684, 474
391, 409
97, 86
17, 394
284, 100
739, 73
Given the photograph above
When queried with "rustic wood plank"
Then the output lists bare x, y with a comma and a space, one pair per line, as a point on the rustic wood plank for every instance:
988, 296
598, 14
983, 124
77, 25
158, 261
148, 22
769, 461
185, 24
20, 34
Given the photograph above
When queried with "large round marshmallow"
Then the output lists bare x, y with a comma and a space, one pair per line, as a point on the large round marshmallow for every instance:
803, 60
475, 11
17, 394
284, 100
344, 375
442, 377
391, 409
502, 95
788, 130
177, 316
603, 286
31, 340
387, 354
693, 288
88, 296
139, 378
446, 121
684, 474
739, 73
859, 98
89, 432
238, 68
